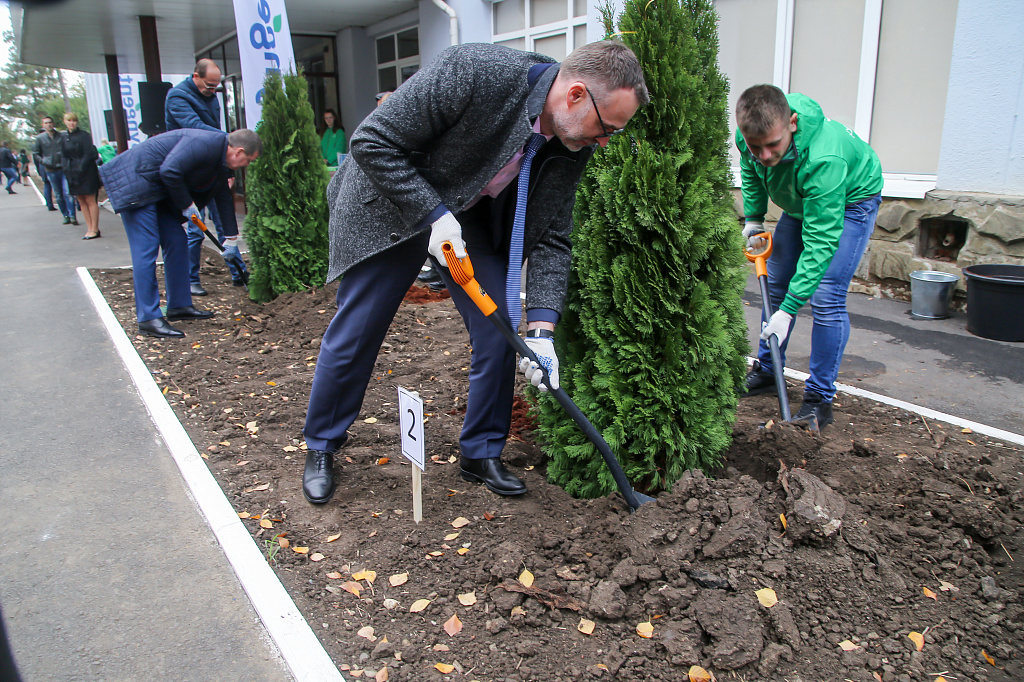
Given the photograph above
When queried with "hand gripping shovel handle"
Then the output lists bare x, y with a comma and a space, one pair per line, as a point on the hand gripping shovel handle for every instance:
220, 247
761, 268
462, 272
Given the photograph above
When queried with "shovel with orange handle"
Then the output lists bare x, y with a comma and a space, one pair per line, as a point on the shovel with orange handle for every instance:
244, 274
461, 270
759, 260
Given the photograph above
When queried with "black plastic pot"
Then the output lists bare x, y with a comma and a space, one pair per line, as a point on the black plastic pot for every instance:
995, 301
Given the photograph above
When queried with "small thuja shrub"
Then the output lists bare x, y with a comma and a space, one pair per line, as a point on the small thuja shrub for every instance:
286, 225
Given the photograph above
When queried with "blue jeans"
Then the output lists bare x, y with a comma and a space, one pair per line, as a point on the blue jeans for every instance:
12, 176
59, 184
830, 329
195, 244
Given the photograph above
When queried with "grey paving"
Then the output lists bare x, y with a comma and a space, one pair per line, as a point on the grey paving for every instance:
933, 363
107, 571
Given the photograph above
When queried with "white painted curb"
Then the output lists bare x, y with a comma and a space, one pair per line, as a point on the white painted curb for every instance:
301, 650
984, 429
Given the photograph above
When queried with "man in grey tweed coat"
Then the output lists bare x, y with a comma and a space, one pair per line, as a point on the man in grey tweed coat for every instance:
438, 161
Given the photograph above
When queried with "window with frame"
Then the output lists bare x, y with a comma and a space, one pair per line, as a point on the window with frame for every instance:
398, 58
552, 27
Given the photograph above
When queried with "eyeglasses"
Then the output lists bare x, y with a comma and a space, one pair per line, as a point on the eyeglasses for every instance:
605, 135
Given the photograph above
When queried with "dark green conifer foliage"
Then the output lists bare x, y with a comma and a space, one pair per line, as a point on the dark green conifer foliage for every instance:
653, 336
286, 227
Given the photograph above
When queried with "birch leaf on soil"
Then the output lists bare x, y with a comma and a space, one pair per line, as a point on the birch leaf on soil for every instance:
467, 599
767, 597
586, 626
917, 638
526, 578
398, 579
419, 605
453, 625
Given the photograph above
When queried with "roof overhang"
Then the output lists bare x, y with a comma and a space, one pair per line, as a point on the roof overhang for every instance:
77, 34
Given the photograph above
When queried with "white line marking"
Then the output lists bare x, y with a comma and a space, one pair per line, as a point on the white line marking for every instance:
299, 647
917, 409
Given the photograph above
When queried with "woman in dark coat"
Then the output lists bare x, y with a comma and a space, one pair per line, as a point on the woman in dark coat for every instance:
79, 157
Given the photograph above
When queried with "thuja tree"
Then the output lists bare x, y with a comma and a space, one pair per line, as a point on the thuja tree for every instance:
653, 336
286, 227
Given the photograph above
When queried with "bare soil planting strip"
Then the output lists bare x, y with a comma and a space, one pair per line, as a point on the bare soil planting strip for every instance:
300, 648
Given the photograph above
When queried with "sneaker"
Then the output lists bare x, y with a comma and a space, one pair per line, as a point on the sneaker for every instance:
67, 220
758, 381
814, 404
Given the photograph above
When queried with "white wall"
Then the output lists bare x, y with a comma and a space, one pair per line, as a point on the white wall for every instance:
357, 83
983, 134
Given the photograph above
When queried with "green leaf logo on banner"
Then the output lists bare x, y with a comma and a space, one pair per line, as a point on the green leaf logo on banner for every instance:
277, 23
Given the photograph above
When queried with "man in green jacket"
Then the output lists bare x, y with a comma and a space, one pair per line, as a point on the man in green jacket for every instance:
828, 183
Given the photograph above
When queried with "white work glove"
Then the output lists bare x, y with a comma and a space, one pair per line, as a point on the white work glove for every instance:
754, 243
545, 351
189, 212
446, 229
778, 325
230, 248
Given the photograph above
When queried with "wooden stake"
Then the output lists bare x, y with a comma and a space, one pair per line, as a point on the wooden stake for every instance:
417, 494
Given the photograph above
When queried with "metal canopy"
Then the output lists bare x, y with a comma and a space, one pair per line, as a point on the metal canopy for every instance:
76, 34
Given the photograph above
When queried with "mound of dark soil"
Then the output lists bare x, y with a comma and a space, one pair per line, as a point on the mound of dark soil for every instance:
883, 526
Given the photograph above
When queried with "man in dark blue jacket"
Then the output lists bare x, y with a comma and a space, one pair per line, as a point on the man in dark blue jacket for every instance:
154, 185
193, 103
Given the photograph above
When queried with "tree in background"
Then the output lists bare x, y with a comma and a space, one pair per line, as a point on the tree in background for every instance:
653, 338
286, 226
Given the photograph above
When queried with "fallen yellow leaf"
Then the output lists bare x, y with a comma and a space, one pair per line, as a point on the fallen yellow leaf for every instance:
526, 578
382, 675
271, 383
398, 579
948, 587
370, 420
283, 542
988, 659
467, 599
444, 668
940, 678
847, 645
366, 632
382, 461
265, 523
782, 517
917, 638
518, 611
368, 576
931, 595
316, 557
645, 629
334, 575
453, 625
419, 605
699, 674
462, 550
460, 522
966, 430
354, 588
437, 553
450, 537
243, 515
586, 626
300, 550
767, 597
332, 538
602, 666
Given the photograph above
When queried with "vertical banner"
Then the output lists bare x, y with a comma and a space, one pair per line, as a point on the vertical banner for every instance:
264, 45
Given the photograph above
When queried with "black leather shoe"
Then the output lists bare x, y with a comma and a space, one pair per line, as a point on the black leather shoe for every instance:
197, 289
758, 381
492, 473
160, 329
189, 312
814, 404
318, 477
50, 208
238, 282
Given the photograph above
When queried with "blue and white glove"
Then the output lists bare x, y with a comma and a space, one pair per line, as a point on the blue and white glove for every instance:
778, 325
189, 212
231, 248
545, 351
446, 229
750, 232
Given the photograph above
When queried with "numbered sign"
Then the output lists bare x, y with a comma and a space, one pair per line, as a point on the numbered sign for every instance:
410, 407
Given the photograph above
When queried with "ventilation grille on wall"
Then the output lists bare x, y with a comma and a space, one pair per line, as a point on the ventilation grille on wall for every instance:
941, 238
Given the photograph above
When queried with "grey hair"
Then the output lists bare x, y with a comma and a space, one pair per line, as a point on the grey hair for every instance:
248, 140
760, 108
609, 64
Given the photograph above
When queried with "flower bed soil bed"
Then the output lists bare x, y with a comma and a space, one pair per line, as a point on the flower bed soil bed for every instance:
879, 507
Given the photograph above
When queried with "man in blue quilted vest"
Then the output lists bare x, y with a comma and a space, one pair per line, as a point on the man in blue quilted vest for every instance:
155, 186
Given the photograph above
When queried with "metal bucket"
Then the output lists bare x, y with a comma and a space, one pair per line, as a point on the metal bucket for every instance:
931, 293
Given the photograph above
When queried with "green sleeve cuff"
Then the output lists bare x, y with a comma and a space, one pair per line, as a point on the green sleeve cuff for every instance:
791, 304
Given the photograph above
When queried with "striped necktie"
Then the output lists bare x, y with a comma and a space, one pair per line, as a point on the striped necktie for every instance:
513, 281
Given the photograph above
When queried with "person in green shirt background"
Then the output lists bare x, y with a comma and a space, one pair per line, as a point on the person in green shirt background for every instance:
107, 151
332, 142
828, 183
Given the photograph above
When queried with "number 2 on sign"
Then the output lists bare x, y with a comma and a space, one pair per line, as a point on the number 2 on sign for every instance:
410, 409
